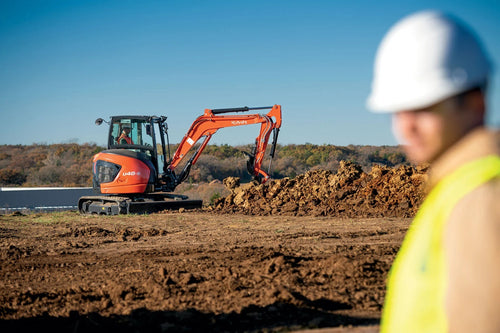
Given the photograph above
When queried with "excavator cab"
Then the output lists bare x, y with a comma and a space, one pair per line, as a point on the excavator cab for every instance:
135, 158
141, 134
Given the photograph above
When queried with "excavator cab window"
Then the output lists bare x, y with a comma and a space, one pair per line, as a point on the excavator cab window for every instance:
136, 132
159, 149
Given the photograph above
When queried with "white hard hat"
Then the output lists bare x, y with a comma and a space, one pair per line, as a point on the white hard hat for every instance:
424, 59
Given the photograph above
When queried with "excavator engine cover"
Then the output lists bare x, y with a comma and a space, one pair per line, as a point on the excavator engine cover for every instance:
120, 171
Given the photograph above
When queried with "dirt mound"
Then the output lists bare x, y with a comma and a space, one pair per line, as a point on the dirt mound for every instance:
383, 192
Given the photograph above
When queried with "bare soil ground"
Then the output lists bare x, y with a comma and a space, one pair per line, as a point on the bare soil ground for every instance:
194, 272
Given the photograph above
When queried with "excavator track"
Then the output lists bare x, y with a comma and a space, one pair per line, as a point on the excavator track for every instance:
115, 205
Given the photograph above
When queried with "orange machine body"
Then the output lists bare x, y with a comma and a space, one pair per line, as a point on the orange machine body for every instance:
143, 167
131, 176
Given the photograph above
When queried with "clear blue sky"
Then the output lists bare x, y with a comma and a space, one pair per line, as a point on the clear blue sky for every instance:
65, 63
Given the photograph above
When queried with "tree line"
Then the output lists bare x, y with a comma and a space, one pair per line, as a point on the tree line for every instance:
71, 164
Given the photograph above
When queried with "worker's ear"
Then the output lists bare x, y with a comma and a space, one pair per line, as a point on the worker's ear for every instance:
474, 103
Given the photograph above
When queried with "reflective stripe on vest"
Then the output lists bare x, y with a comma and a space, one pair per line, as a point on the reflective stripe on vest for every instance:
416, 288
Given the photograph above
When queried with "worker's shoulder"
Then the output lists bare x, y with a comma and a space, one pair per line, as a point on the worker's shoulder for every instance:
478, 209
494, 137
491, 140
472, 249
485, 194
477, 144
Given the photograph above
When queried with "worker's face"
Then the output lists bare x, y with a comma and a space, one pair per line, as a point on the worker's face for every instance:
427, 133
126, 130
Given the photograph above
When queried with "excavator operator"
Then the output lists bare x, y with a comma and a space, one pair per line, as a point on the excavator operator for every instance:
431, 73
125, 138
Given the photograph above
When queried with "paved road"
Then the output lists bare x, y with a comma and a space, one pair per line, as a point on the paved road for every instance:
41, 198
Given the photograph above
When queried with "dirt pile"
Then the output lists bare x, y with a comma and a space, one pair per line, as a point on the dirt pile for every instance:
383, 192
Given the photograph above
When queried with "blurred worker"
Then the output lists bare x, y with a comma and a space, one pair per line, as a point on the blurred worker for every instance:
125, 138
432, 74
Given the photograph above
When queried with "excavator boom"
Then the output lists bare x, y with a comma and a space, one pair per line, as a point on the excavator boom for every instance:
211, 121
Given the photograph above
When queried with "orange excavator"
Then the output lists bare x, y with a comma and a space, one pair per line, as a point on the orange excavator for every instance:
136, 174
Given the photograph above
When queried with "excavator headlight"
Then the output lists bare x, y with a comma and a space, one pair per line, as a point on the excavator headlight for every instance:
105, 172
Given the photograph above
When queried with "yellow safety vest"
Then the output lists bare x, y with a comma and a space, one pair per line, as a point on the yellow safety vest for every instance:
415, 299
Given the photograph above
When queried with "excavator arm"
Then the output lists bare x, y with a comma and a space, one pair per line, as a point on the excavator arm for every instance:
211, 121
